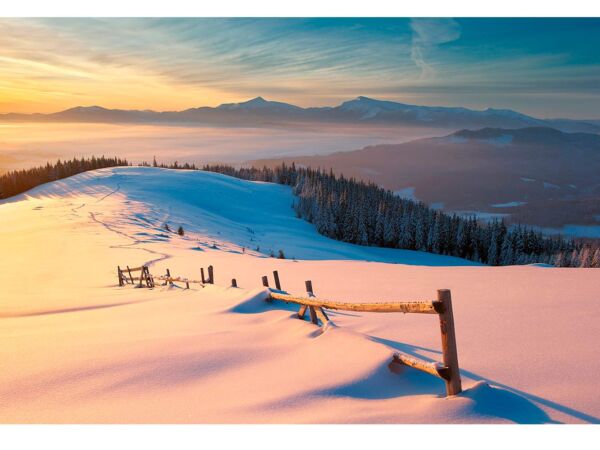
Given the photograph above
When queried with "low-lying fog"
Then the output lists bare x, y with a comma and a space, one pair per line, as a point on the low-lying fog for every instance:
26, 144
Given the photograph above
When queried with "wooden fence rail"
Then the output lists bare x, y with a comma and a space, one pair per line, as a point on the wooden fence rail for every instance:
403, 307
448, 370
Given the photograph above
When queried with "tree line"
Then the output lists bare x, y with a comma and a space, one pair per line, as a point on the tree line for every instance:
18, 181
366, 214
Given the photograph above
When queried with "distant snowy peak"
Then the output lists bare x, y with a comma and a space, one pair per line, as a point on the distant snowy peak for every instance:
259, 103
369, 108
515, 116
366, 104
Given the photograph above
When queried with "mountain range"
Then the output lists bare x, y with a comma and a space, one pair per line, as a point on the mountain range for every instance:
361, 110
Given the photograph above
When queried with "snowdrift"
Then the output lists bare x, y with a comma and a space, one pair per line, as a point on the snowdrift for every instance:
77, 348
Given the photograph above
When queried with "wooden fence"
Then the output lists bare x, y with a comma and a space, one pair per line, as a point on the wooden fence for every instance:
126, 276
448, 370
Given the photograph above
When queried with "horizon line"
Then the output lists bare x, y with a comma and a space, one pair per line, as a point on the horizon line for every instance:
260, 97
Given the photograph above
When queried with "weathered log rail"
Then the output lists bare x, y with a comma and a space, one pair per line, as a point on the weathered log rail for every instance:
448, 370
421, 307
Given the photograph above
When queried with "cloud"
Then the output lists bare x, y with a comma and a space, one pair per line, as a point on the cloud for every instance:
51, 64
427, 35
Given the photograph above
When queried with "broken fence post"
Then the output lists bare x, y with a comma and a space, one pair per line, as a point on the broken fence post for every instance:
202, 275
265, 281
169, 280
233, 283
309, 288
211, 277
150, 279
276, 277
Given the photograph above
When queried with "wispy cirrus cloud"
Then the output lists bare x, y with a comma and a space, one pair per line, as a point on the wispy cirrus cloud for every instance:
427, 35
52, 64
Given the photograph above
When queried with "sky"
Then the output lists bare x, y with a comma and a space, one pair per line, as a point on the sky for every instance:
543, 67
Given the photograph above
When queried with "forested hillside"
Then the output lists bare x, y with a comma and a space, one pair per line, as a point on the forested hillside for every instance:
18, 181
363, 213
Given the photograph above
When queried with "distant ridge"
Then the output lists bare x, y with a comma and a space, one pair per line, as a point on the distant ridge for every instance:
533, 175
360, 110
531, 135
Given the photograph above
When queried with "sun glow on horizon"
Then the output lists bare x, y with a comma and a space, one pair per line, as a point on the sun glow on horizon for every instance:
542, 67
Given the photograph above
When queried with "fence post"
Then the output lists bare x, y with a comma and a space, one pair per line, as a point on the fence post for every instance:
450, 354
211, 277
311, 309
202, 275
276, 277
120, 275
313, 315
169, 277
233, 283
150, 279
309, 288
265, 281
130, 276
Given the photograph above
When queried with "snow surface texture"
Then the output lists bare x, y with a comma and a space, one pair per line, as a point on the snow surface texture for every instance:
78, 348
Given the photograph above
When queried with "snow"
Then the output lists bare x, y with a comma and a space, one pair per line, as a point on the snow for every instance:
220, 208
259, 103
407, 193
370, 108
78, 348
508, 204
548, 185
481, 215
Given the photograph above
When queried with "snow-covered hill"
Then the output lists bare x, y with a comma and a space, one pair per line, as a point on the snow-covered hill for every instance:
78, 348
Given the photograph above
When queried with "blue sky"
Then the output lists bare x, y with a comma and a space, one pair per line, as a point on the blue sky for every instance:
543, 67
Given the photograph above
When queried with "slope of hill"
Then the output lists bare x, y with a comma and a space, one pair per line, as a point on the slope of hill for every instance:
90, 351
536, 175
361, 110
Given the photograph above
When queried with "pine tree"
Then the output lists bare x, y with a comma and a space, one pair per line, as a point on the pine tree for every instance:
507, 256
596, 259
585, 257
